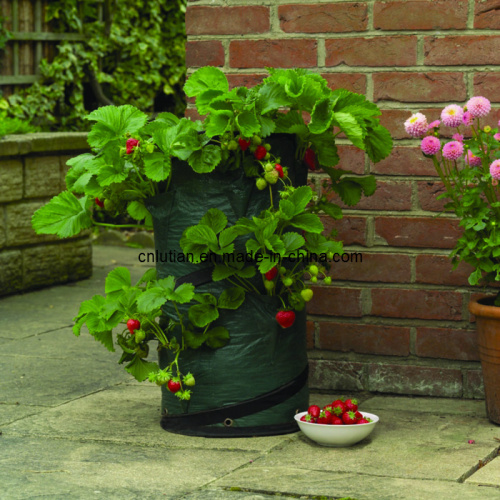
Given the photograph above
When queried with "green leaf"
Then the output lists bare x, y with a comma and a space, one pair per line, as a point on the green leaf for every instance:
285, 121
140, 369
292, 241
272, 96
182, 294
308, 222
151, 299
106, 338
157, 166
64, 215
204, 99
227, 236
322, 116
215, 219
231, 298
267, 126
217, 337
117, 280
378, 142
113, 122
202, 314
247, 123
349, 191
351, 128
330, 209
112, 173
137, 210
217, 122
287, 209
202, 235
206, 78
78, 176
194, 340
205, 298
326, 149
164, 139
205, 160
274, 244
300, 198
221, 272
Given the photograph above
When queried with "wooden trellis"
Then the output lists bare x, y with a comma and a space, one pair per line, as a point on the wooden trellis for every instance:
31, 41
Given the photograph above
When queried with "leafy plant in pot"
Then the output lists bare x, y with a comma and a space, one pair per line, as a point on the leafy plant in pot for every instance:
238, 240
470, 171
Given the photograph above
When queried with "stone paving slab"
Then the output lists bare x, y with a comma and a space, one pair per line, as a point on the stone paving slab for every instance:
489, 475
36, 467
11, 412
317, 483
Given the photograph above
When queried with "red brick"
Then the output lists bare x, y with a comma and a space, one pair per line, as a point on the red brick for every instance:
421, 232
428, 191
350, 229
310, 329
487, 15
351, 158
364, 338
405, 160
447, 343
389, 195
487, 85
419, 87
354, 82
420, 15
418, 380
422, 304
203, 20
245, 79
375, 51
438, 270
333, 301
462, 50
204, 53
290, 53
374, 267
332, 375
323, 18
193, 114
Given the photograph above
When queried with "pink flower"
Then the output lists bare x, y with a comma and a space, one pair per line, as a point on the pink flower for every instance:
495, 169
131, 144
458, 137
416, 125
497, 136
467, 119
478, 106
434, 124
473, 160
452, 115
430, 145
453, 150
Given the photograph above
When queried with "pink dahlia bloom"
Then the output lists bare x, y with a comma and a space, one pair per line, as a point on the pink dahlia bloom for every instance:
467, 119
458, 137
473, 160
416, 125
452, 115
495, 169
453, 150
434, 124
497, 136
478, 106
430, 145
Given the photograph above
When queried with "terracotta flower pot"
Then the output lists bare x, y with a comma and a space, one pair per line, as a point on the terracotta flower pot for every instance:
488, 332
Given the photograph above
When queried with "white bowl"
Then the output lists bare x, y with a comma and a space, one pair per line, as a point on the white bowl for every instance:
337, 435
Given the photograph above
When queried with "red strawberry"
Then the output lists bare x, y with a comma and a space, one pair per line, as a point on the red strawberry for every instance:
260, 152
337, 420
279, 169
310, 159
285, 318
325, 417
314, 411
358, 414
99, 203
173, 386
362, 421
349, 418
131, 144
351, 404
308, 418
328, 408
243, 144
338, 407
132, 325
271, 274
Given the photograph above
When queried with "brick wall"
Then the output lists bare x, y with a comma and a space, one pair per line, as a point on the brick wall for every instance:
398, 322
32, 171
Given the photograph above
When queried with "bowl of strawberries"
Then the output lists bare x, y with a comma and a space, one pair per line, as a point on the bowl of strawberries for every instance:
337, 424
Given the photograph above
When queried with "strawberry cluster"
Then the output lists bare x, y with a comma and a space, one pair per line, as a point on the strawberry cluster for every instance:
337, 413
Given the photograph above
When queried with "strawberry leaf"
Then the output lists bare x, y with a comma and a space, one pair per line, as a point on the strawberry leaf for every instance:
206, 78
247, 123
202, 314
206, 159
231, 298
217, 337
308, 222
117, 281
157, 166
141, 369
137, 210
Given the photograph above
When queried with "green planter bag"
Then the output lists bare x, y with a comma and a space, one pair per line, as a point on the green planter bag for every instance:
255, 384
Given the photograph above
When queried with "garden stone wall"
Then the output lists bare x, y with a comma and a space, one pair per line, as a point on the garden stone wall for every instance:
397, 322
32, 171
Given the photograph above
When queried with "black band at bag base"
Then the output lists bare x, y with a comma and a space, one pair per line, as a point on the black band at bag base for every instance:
197, 423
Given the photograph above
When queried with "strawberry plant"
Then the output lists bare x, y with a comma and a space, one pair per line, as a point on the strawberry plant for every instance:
135, 160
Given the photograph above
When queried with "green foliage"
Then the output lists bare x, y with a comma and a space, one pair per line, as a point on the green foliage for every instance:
136, 56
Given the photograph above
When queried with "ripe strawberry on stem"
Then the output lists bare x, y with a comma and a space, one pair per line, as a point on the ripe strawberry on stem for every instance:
99, 203
132, 325
310, 158
279, 169
260, 152
243, 144
173, 385
271, 274
131, 145
285, 318
314, 411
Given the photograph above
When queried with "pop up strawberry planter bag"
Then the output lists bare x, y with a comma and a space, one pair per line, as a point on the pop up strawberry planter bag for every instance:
238, 240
